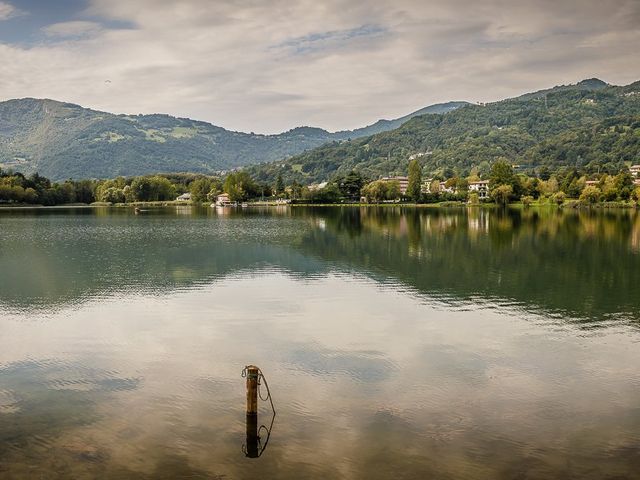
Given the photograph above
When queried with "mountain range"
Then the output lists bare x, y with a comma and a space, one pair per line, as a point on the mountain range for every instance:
591, 126
62, 140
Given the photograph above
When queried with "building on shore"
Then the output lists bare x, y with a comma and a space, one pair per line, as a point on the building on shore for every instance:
445, 189
402, 181
481, 187
223, 200
635, 170
185, 197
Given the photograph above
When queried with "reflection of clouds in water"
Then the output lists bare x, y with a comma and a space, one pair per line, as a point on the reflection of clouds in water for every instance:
448, 364
53, 374
373, 381
361, 366
8, 402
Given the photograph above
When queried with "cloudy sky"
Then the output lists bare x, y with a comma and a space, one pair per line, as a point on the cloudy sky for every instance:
270, 65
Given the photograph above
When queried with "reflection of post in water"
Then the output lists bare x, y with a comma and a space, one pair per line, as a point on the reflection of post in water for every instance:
253, 447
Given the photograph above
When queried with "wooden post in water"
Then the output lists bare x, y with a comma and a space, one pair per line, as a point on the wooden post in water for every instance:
252, 449
252, 389
253, 373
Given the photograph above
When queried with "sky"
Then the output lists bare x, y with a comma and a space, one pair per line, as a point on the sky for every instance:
271, 65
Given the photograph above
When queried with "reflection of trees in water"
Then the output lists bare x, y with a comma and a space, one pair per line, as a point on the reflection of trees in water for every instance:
582, 263
65, 258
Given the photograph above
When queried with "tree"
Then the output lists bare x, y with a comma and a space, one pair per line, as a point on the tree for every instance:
502, 175
590, 195
607, 185
129, 195
575, 187
234, 190
447, 172
474, 175
544, 173
199, 189
559, 197
393, 190
328, 194
550, 186
279, 188
240, 186
112, 195
296, 190
624, 185
502, 194
153, 189
375, 191
351, 185
414, 188
85, 191
526, 200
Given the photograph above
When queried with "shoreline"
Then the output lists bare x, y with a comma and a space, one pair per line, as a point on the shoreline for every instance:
569, 205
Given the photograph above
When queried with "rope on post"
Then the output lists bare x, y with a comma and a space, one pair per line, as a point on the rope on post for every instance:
261, 376
254, 447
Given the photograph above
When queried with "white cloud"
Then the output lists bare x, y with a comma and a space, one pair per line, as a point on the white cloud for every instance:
267, 66
8, 11
76, 28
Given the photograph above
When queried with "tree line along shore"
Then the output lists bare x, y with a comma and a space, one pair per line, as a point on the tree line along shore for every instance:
504, 185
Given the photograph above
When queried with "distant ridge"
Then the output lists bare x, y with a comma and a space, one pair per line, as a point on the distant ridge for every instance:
591, 126
588, 84
63, 140
386, 125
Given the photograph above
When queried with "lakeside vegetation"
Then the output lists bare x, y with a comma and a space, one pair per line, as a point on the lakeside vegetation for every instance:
565, 186
17, 189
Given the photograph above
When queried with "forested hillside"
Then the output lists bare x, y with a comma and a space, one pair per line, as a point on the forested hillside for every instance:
591, 126
62, 140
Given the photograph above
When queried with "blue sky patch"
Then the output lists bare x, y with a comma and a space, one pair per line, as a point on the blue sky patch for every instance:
26, 28
327, 40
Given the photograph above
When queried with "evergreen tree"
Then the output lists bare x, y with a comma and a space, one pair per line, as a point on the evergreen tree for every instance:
279, 185
414, 189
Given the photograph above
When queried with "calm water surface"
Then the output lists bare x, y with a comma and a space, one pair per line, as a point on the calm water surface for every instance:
397, 343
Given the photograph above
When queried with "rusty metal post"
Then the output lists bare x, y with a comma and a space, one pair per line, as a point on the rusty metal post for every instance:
252, 389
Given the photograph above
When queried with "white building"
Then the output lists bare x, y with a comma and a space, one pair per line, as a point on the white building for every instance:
185, 197
481, 188
223, 200
635, 170
445, 189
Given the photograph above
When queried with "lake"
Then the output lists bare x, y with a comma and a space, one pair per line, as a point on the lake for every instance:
397, 343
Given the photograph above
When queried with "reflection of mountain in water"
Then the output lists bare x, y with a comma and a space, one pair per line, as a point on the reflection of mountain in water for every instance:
577, 264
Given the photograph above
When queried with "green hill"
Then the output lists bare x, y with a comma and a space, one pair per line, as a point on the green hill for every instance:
62, 140
386, 125
590, 125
